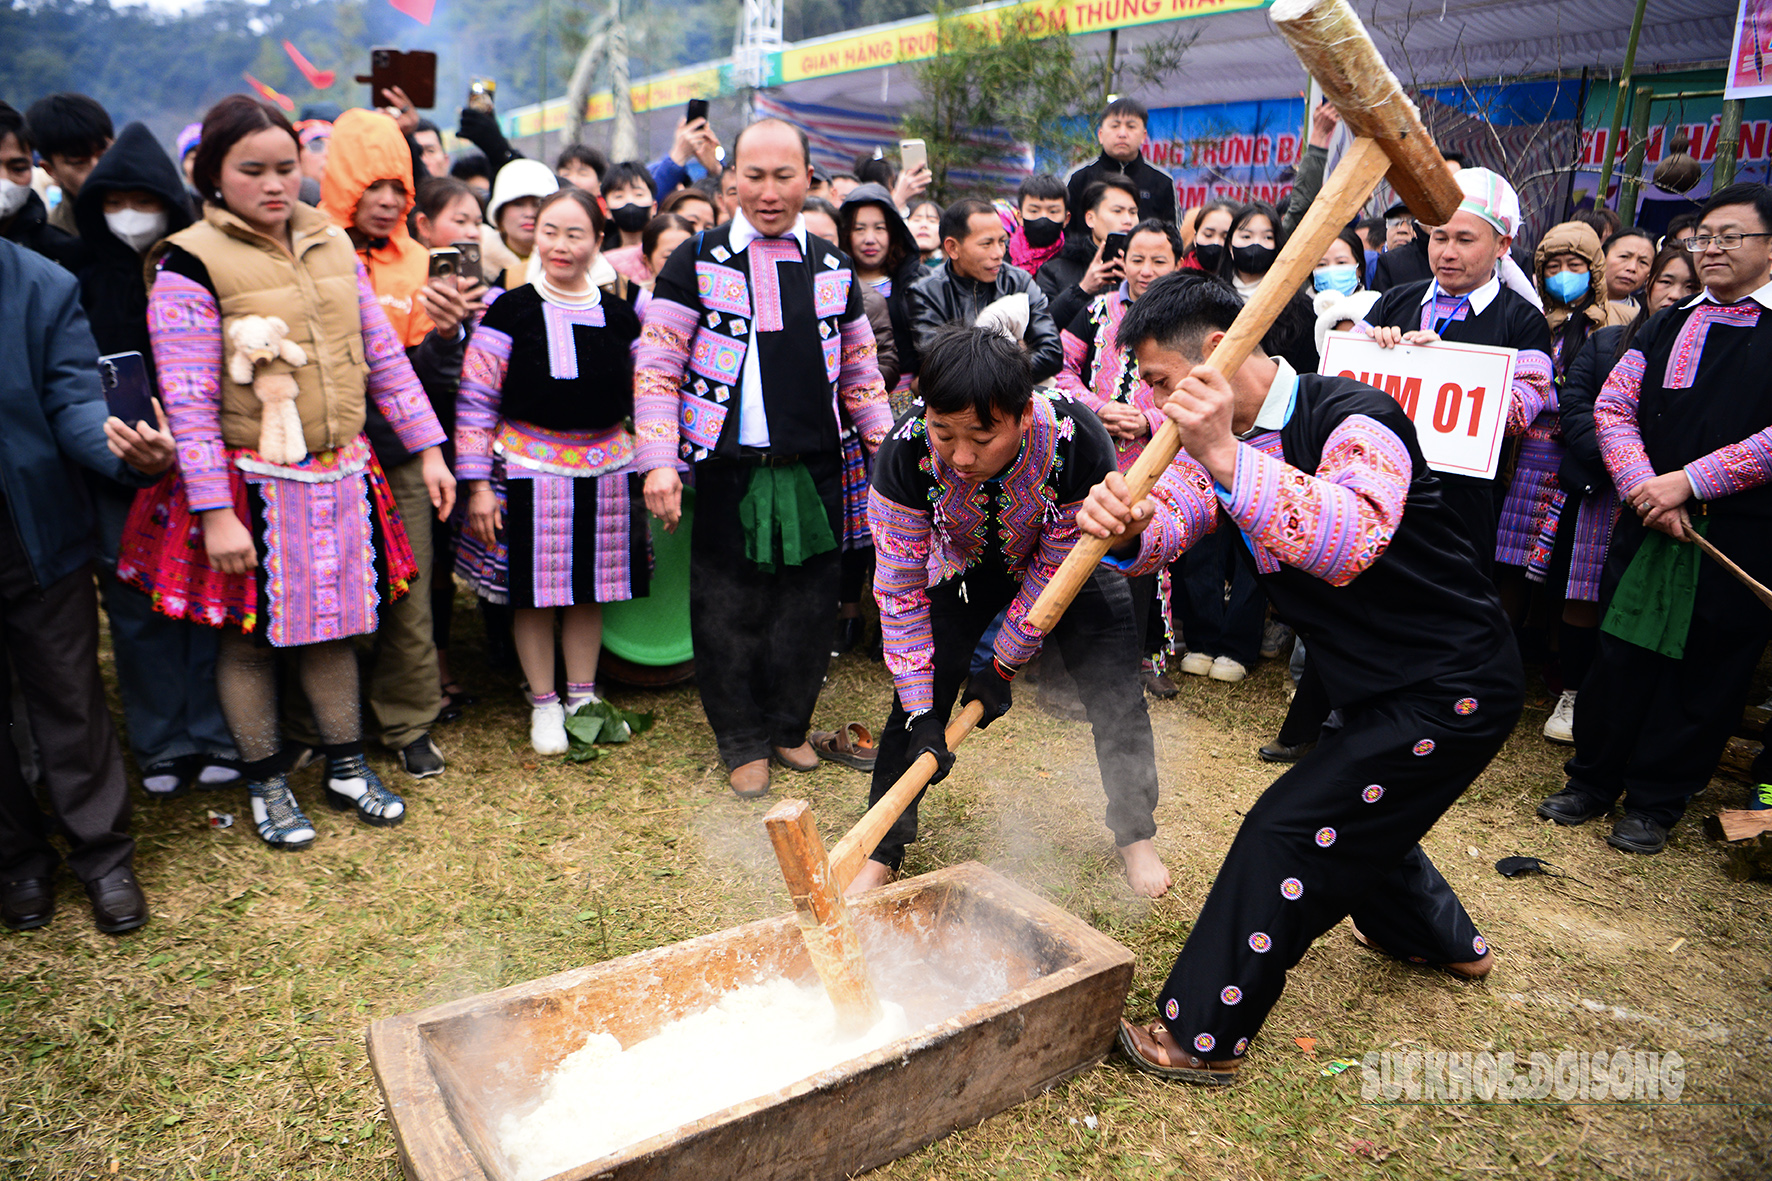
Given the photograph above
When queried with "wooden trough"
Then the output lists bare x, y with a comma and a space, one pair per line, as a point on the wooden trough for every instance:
450, 1073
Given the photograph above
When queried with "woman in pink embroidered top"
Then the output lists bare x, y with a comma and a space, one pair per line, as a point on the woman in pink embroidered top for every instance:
547, 389
284, 540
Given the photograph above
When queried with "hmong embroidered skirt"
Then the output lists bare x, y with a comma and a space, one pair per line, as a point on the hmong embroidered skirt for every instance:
330, 545
566, 540
855, 494
1596, 516
1529, 498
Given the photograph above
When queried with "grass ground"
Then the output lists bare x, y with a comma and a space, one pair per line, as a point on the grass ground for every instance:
225, 1039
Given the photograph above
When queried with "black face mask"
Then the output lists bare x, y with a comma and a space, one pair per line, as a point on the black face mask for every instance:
630, 219
1209, 254
1253, 259
1041, 231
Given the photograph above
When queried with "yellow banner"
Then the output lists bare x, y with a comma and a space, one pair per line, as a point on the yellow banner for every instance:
916, 41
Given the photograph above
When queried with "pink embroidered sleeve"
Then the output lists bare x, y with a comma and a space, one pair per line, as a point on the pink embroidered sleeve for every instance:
1734, 468
659, 362
184, 328
1186, 510
477, 402
1534, 391
859, 385
1336, 523
1615, 421
1071, 378
393, 386
901, 588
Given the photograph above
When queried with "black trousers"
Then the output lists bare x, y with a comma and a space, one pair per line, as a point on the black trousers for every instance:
1337, 835
50, 636
762, 641
1652, 729
1211, 621
1309, 709
1099, 642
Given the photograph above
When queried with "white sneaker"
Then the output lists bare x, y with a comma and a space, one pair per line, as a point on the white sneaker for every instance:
1560, 726
1196, 664
1226, 669
547, 728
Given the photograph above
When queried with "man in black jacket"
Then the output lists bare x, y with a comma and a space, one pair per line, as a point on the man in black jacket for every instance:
23, 219
1122, 133
1078, 273
974, 277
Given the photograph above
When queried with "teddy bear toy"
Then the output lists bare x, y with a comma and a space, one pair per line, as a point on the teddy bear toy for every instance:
259, 345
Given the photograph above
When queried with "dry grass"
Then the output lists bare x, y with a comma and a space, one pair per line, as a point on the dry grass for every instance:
225, 1039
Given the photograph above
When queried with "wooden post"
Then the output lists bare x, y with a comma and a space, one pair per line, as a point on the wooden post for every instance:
848, 853
824, 918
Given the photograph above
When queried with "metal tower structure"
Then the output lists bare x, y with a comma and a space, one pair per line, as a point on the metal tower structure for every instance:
759, 32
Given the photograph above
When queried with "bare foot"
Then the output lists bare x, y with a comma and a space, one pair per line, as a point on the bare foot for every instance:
872, 874
1144, 869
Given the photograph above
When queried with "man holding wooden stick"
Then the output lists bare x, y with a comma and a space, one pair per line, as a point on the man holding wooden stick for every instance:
1685, 426
973, 508
1351, 535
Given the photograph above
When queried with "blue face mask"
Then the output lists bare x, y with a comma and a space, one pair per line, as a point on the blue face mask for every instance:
1342, 279
1567, 286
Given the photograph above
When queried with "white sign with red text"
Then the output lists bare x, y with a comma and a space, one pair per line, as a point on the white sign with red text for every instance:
1456, 394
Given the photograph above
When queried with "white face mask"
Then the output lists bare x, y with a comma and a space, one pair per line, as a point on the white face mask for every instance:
137, 229
12, 197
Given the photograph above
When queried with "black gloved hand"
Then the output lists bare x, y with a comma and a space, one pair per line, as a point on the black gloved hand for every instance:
929, 733
991, 686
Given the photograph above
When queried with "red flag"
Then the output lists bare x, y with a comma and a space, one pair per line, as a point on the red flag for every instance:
269, 95
418, 10
318, 79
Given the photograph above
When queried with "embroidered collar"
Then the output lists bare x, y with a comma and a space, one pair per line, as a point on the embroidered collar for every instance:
743, 233
1763, 297
1480, 299
1282, 396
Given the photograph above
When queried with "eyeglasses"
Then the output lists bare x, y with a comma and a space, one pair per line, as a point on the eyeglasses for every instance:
1702, 242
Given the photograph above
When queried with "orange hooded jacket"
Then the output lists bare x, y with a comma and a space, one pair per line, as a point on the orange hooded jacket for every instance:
367, 147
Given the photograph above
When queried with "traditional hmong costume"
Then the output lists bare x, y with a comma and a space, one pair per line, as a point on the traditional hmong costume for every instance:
1682, 637
950, 556
330, 538
1098, 371
1493, 314
1356, 545
546, 391
748, 347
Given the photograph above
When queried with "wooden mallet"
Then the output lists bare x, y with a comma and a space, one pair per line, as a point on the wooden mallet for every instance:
1334, 46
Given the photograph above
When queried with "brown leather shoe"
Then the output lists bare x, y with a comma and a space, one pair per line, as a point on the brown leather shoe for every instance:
27, 904
801, 758
750, 780
117, 902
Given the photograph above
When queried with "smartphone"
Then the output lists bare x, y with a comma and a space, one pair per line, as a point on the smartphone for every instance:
469, 267
128, 392
697, 109
481, 92
414, 71
445, 262
912, 154
1114, 247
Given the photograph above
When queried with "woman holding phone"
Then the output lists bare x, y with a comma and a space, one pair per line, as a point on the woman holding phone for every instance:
282, 557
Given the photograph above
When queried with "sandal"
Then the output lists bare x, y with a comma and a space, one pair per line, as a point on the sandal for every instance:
375, 804
279, 819
1198, 1071
853, 746
1459, 970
